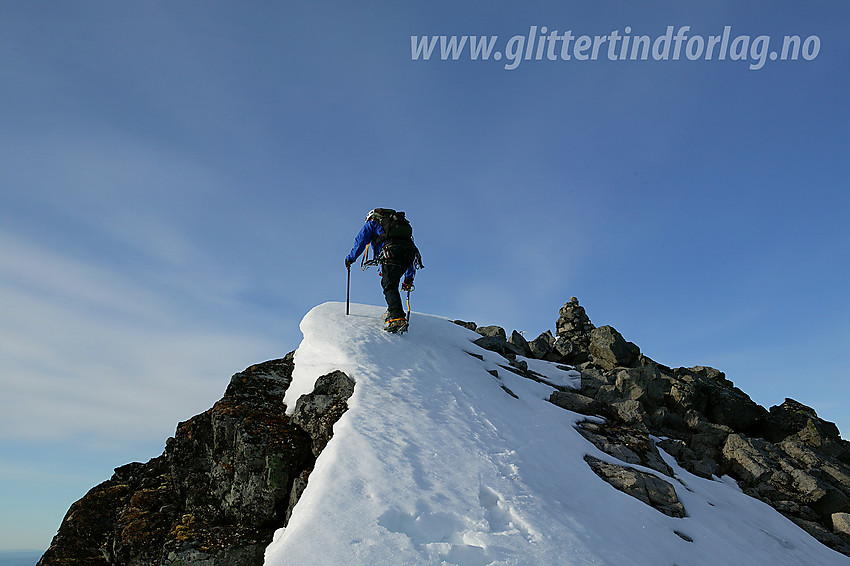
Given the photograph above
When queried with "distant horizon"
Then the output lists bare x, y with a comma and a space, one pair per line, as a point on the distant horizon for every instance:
20, 557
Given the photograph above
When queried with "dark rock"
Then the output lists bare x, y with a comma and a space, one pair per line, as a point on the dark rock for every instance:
576, 402
676, 448
298, 487
469, 325
626, 444
803, 454
495, 344
493, 331
700, 465
822, 496
709, 393
318, 411
542, 345
631, 411
645, 384
507, 390
493, 339
708, 439
652, 490
521, 345
793, 419
566, 350
750, 459
793, 416
664, 419
686, 395
734, 409
609, 349
215, 496
710, 373
705, 467
593, 379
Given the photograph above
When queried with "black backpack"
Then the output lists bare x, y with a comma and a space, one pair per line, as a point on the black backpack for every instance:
394, 224
396, 229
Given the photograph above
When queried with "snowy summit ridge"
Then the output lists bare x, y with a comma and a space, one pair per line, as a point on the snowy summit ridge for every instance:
436, 463
456, 445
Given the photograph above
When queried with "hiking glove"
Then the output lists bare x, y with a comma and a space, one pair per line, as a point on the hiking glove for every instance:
407, 285
348, 263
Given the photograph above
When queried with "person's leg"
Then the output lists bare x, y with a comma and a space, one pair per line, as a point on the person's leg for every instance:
398, 259
389, 282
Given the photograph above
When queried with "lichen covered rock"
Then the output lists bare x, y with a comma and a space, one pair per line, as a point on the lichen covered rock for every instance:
225, 482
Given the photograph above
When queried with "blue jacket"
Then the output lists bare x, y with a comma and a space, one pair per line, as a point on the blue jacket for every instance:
368, 233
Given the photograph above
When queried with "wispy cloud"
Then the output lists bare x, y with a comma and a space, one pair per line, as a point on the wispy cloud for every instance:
89, 352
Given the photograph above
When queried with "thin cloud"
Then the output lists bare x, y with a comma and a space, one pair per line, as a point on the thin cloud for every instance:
87, 352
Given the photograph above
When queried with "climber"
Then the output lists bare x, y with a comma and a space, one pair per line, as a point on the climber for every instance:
391, 237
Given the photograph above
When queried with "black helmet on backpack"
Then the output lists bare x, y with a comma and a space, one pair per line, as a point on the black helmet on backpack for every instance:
381, 214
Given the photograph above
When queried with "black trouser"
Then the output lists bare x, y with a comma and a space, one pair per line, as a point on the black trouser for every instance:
396, 258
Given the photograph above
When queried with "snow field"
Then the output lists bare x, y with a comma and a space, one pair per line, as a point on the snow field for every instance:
434, 463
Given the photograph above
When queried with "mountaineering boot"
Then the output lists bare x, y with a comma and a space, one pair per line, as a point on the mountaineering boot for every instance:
396, 325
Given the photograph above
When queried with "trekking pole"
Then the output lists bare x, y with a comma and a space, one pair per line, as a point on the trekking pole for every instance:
347, 289
408, 306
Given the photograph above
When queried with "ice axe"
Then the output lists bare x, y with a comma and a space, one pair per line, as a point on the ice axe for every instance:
347, 289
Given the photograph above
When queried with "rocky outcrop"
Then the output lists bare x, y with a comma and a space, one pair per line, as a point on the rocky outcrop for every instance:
626, 444
225, 482
787, 456
317, 412
650, 489
576, 402
543, 346
609, 349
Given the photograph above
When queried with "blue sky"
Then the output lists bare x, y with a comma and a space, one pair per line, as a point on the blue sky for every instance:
180, 183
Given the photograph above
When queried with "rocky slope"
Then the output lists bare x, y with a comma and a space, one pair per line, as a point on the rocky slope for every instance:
787, 456
231, 476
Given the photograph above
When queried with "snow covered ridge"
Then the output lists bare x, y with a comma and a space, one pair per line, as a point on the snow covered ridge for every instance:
458, 445
446, 457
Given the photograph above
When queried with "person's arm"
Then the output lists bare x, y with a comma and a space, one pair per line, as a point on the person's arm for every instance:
409, 275
361, 241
